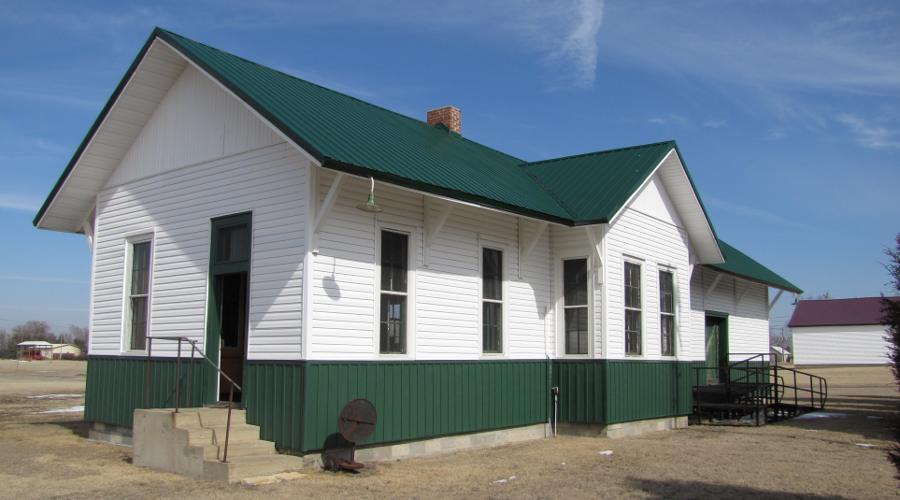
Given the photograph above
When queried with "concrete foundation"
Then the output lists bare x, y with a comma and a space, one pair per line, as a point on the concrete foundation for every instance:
446, 444
624, 429
110, 434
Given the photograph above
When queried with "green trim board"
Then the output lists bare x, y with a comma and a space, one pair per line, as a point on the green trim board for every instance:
296, 403
219, 267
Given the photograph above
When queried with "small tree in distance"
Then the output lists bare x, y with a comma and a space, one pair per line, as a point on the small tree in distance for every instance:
891, 318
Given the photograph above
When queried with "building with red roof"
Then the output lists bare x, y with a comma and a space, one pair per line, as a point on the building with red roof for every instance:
839, 332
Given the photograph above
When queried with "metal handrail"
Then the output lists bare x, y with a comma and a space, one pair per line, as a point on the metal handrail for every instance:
775, 386
193, 343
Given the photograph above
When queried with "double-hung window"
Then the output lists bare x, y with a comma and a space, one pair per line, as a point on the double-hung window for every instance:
491, 300
575, 305
667, 313
138, 289
394, 292
632, 309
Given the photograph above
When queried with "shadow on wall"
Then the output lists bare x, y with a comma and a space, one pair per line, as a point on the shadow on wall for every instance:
697, 489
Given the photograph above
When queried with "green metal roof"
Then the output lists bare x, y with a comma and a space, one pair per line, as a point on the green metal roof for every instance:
348, 134
594, 186
740, 264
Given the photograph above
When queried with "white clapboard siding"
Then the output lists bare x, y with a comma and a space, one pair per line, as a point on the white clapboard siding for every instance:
176, 206
840, 345
196, 121
745, 303
655, 241
446, 294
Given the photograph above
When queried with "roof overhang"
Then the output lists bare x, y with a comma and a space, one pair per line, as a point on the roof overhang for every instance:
128, 109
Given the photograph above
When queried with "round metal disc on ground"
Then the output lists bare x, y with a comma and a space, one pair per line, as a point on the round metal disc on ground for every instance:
357, 420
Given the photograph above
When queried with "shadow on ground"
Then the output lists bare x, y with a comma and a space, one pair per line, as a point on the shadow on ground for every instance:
698, 489
76, 427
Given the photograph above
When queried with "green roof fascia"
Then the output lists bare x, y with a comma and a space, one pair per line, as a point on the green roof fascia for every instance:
94, 127
739, 264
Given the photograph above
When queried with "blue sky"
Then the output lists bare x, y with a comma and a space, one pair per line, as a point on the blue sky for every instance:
787, 113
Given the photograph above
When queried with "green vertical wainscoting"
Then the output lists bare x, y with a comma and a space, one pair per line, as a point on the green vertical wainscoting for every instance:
115, 386
600, 391
273, 396
296, 404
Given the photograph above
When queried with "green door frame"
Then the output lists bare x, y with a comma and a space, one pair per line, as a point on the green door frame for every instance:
217, 269
722, 349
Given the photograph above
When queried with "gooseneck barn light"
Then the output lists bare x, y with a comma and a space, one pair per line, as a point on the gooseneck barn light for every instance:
370, 205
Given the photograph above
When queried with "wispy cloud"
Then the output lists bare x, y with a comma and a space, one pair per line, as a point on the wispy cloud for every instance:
670, 119
44, 279
773, 59
19, 202
869, 135
50, 97
714, 123
579, 48
753, 213
563, 33
836, 53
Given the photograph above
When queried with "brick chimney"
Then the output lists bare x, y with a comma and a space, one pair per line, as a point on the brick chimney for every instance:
448, 116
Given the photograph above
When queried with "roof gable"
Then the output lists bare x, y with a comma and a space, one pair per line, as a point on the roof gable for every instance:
654, 201
120, 121
596, 187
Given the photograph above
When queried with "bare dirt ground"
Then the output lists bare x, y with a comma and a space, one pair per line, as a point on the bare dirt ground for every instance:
45, 455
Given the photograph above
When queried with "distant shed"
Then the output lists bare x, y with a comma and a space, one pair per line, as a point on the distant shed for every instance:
839, 332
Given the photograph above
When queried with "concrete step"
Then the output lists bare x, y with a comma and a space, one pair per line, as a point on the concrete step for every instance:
208, 416
239, 434
219, 416
258, 447
250, 466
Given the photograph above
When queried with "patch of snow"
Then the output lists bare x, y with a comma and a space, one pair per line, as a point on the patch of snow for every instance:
56, 396
71, 409
500, 481
865, 445
820, 414
605, 453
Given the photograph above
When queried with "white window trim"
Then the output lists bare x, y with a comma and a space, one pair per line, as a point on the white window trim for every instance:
643, 310
504, 332
675, 314
411, 264
561, 306
129, 241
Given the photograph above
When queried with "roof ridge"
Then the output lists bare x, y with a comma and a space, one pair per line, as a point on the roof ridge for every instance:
597, 153
342, 94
